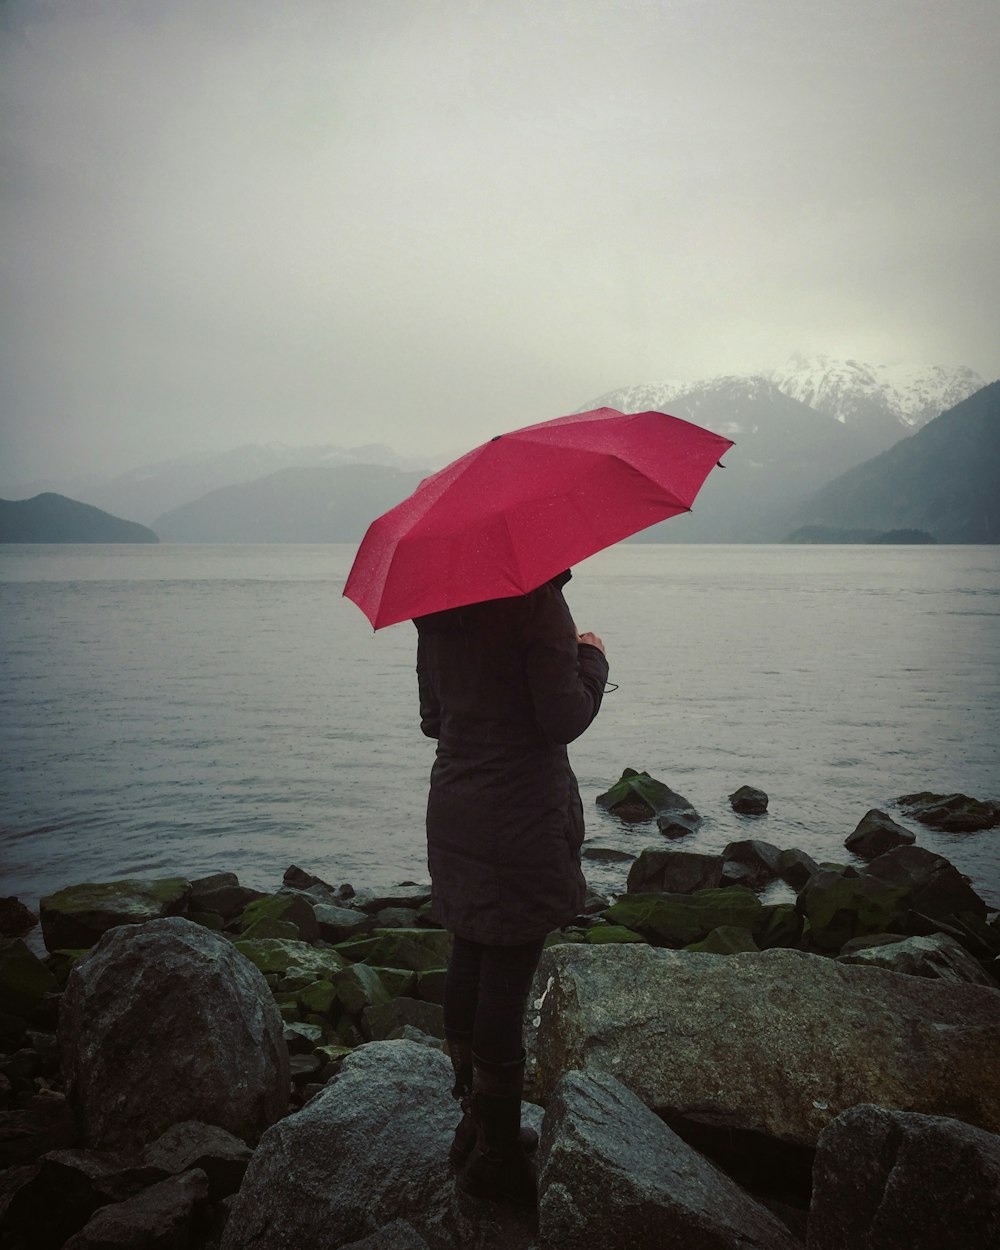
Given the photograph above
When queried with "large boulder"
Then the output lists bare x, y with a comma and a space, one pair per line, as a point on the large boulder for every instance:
166, 1022
367, 1152
934, 886
876, 833
613, 1174
778, 1042
954, 813
937, 956
673, 872
839, 906
76, 917
884, 1180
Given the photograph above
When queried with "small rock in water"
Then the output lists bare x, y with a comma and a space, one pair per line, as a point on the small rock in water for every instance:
953, 813
748, 801
876, 833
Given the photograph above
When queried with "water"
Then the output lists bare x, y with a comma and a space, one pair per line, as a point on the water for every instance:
192, 709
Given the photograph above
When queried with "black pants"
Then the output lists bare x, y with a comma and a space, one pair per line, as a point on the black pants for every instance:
485, 994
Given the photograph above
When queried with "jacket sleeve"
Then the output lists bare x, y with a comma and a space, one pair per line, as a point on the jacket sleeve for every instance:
430, 708
566, 679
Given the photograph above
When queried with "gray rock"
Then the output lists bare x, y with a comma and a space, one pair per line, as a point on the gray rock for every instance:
938, 956
221, 894
406, 895
337, 924
748, 801
368, 1152
778, 1042
45, 1124
219, 1154
76, 917
673, 872
166, 1022
613, 1174
396, 918
607, 854
15, 918
954, 813
877, 833
159, 1218
677, 824
887, 1180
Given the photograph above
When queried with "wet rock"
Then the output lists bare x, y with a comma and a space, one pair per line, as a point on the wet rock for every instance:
877, 833
613, 1174
839, 907
24, 979
638, 796
284, 910
778, 1042
222, 1156
935, 887
370, 1151
673, 872
607, 854
886, 1179
779, 925
795, 867
220, 894
748, 801
77, 916
680, 919
416, 949
676, 825
15, 918
939, 957
167, 1022
954, 813
751, 862
162, 1217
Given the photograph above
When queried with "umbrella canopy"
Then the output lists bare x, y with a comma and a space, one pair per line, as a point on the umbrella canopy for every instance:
507, 516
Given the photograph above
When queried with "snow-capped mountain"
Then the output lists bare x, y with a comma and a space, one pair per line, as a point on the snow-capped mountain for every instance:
855, 392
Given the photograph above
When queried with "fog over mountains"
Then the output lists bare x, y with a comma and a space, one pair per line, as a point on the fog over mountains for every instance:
796, 429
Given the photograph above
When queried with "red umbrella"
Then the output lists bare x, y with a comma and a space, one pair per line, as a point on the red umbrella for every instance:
510, 514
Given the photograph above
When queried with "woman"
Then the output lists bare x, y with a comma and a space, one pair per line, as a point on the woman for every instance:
504, 686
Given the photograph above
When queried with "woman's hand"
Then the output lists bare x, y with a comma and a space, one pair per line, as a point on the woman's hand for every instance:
591, 640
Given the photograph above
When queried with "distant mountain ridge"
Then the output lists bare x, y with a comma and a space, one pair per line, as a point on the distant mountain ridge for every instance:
942, 480
52, 518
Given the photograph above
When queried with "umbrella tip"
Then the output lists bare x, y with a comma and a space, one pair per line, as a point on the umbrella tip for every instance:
494, 438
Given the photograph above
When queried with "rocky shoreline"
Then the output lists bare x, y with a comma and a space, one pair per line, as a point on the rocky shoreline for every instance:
199, 1064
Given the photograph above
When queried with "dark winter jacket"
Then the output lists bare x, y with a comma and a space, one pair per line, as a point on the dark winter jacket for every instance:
504, 686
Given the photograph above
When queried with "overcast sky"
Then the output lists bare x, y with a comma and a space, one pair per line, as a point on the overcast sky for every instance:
422, 221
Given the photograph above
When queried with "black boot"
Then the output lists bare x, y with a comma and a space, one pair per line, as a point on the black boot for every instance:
499, 1166
460, 1053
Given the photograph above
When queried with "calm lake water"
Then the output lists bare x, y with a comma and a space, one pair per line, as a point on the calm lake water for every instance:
190, 709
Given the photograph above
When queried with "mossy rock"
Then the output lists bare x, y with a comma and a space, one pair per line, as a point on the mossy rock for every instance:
399, 982
610, 934
725, 940
563, 937
24, 979
288, 909
637, 796
418, 949
283, 954
359, 986
267, 927
208, 920
62, 963
840, 907
430, 985
318, 998
77, 917
677, 920
779, 924
384, 1019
